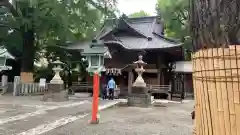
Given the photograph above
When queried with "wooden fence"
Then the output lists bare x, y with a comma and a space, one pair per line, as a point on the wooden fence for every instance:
25, 89
216, 78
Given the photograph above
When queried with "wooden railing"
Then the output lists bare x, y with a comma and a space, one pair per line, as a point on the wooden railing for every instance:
161, 89
81, 87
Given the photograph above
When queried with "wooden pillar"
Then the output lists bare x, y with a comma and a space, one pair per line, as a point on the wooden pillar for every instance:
159, 70
159, 76
130, 82
162, 78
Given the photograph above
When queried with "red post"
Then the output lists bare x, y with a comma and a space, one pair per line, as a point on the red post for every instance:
95, 98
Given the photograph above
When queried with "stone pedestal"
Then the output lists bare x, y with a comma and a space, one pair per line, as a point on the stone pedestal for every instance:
56, 87
139, 97
56, 93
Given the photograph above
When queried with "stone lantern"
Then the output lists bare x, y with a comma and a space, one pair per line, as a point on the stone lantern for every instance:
139, 82
56, 91
139, 95
95, 54
4, 55
57, 69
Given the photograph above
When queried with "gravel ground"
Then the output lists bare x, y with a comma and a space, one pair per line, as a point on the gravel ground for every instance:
30, 116
170, 119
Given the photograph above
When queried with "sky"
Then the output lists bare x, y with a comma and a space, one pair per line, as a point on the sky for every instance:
130, 6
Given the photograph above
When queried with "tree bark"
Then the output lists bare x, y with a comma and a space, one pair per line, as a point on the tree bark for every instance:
28, 51
214, 23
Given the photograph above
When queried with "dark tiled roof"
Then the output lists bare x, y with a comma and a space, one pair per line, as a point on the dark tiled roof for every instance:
148, 35
151, 31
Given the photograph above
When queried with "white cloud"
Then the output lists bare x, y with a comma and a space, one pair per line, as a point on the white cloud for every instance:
131, 6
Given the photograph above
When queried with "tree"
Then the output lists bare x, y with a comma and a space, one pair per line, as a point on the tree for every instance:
174, 14
215, 23
38, 24
139, 14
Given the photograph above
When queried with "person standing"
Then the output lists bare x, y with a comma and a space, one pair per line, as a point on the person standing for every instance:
104, 92
111, 86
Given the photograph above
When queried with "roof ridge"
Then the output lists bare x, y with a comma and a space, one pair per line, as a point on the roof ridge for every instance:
102, 28
99, 37
153, 25
128, 23
134, 28
142, 17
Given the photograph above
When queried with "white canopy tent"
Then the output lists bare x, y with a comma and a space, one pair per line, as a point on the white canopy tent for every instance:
183, 67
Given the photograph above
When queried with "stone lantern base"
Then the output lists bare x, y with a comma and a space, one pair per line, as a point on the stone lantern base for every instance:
139, 97
56, 93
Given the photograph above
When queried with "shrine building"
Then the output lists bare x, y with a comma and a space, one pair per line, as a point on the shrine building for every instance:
126, 39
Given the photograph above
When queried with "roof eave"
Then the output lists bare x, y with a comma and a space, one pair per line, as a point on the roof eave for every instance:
124, 46
105, 53
168, 39
6, 54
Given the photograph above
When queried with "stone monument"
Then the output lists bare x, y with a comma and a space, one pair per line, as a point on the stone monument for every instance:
56, 89
139, 95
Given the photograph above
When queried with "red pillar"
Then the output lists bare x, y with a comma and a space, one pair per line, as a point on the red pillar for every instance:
95, 98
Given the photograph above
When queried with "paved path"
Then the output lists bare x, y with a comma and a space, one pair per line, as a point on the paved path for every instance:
30, 116
172, 119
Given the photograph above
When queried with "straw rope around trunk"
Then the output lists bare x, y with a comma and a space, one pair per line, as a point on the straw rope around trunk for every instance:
216, 79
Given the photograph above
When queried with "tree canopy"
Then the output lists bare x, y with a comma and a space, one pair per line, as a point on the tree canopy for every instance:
175, 14
36, 26
139, 14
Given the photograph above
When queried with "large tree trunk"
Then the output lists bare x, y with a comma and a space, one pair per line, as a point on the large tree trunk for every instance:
27, 55
28, 51
214, 23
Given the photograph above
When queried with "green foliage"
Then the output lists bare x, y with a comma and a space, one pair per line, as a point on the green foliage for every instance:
43, 72
54, 22
139, 14
174, 14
